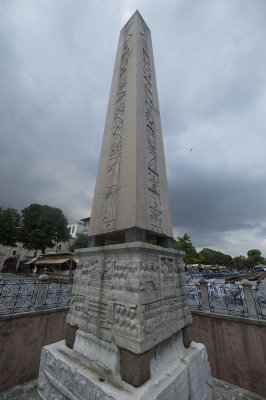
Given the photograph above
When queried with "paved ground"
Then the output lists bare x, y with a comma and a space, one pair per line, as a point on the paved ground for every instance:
6, 275
28, 391
226, 391
222, 391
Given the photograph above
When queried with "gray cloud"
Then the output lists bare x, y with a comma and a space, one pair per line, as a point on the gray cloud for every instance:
55, 75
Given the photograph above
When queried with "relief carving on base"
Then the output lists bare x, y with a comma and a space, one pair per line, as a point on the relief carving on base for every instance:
125, 319
117, 295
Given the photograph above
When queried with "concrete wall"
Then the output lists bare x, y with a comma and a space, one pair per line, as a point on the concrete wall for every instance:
236, 348
22, 337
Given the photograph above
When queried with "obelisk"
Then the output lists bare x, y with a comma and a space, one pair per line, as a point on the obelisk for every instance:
129, 300
131, 195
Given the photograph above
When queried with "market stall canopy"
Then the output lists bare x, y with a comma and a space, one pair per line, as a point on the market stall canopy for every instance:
31, 261
52, 260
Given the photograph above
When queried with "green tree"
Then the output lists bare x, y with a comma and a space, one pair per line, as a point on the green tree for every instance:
184, 243
254, 258
209, 256
79, 243
42, 227
9, 226
239, 262
213, 257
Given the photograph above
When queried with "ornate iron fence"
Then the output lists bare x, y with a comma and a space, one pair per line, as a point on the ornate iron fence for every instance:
226, 299
21, 295
57, 294
194, 296
260, 301
18, 295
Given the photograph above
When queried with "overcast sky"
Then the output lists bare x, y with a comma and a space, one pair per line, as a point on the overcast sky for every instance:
56, 64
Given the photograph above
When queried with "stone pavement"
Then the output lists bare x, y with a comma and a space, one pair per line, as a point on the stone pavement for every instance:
28, 391
226, 391
222, 391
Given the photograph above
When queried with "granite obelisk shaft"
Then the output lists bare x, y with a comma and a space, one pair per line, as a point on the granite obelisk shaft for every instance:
131, 188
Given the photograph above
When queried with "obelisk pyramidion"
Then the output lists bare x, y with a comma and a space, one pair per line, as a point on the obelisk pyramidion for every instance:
129, 300
131, 188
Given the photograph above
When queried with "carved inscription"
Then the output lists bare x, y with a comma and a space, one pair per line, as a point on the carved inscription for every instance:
112, 188
50, 380
95, 312
161, 314
155, 210
77, 305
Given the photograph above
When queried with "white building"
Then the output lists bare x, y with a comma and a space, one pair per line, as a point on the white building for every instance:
86, 225
75, 229
12, 256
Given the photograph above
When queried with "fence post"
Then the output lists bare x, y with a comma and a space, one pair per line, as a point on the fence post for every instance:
204, 295
43, 280
250, 302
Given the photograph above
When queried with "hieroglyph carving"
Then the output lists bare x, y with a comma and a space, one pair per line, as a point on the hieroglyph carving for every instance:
153, 175
112, 187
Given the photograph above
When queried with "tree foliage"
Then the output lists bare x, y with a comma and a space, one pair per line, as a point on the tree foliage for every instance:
42, 227
213, 257
239, 262
254, 258
184, 243
80, 243
9, 226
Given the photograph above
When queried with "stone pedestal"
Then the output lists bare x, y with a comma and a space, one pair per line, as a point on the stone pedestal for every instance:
133, 294
176, 374
128, 307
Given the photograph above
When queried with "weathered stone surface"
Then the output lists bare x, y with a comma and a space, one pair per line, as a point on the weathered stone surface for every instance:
131, 188
135, 368
100, 351
132, 294
66, 374
221, 391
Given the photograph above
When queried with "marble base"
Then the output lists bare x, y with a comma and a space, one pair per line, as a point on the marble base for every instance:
176, 374
132, 294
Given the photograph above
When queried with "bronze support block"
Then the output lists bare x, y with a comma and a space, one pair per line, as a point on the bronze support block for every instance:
134, 368
71, 335
186, 334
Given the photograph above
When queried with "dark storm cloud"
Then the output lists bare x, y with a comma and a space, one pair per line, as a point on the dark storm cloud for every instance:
52, 105
55, 75
217, 202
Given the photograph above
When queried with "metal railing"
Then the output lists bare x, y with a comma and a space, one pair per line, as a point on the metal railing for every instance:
22, 295
57, 294
260, 301
18, 295
242, 300
194, 297
226, 299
